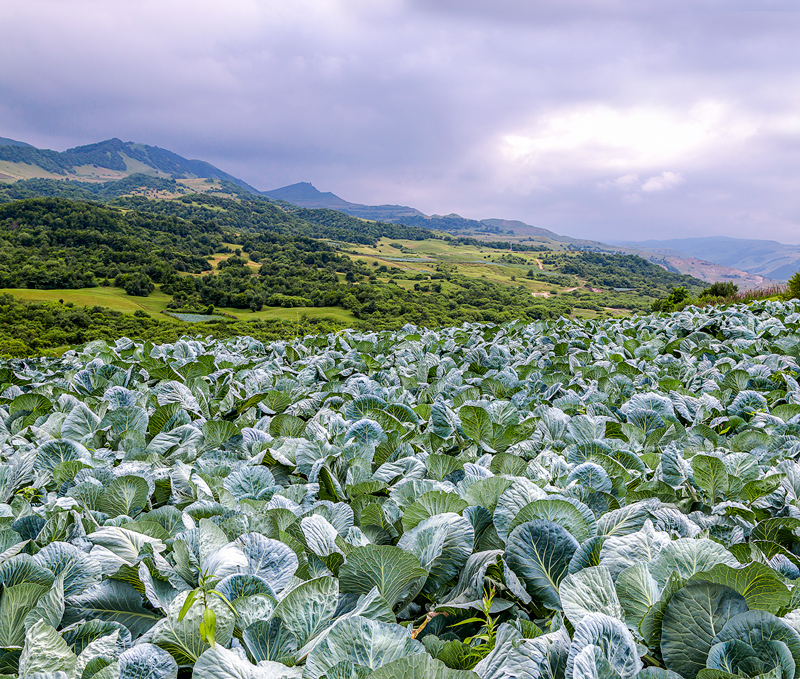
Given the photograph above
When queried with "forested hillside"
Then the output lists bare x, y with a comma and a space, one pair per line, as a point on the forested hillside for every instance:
254, 215
618, 271
57, 243
244, 254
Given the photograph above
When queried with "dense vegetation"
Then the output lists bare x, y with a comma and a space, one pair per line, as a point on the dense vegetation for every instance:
56, 243
561, 500
285, 257
355, 230
101, 191
245, 212
620, 271
253, 215
452, 223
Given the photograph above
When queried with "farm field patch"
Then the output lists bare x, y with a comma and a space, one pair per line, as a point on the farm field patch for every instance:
614, 498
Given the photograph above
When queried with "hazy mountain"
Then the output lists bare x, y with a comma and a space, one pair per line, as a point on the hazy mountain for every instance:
5, 141
105, 160
306, 194
768, 258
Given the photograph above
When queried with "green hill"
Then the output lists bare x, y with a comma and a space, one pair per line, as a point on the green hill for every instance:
117, 156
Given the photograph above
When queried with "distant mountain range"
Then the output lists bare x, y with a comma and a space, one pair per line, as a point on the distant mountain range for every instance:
767, 258
749, 263
702, 266
305, 194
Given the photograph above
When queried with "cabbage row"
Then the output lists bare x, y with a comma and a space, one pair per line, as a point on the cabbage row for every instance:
563, 500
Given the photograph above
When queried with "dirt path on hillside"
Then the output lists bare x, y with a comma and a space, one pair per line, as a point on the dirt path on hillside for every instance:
539, 263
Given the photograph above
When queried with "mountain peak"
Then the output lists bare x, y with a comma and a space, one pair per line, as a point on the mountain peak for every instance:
305, 194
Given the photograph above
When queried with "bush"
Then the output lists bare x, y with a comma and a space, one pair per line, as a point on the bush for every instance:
794, 287
675, 301
721, 289
138, 284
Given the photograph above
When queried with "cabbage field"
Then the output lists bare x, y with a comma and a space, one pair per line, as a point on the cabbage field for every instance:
564, 500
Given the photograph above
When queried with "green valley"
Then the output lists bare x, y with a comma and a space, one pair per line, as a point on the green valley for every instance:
238, 258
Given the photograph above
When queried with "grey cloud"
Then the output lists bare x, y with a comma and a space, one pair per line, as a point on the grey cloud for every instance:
518, 110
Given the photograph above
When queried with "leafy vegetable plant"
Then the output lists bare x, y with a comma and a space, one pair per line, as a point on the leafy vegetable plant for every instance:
600, 499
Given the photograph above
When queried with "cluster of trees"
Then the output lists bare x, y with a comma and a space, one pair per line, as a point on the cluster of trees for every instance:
494, 245
101, 191
328, 279
339, 226
679, 297
50, 243
621, 271
255, 215
452, 223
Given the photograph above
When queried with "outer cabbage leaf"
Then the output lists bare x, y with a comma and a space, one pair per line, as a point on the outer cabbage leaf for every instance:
638, 592
514, 657
419, 667
755, 626
220, 663
693, 618
612, 637
363, 642
757, 583
539, 553
146, 661
687, 556
45, 651
397, 574
442, 544
589, 591
309, 607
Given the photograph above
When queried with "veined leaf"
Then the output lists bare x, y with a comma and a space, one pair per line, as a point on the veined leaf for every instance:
761, 587
539, 553
693, 618
397, 574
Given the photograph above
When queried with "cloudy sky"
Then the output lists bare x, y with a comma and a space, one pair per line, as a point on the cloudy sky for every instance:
607, 119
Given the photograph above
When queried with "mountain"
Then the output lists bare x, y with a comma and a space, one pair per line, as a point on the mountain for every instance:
5, 141
768, 258
103, 161
306, 195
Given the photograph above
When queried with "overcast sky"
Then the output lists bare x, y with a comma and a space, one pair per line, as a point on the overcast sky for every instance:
606, 119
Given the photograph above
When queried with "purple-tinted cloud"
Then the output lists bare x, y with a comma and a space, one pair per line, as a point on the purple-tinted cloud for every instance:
611, 119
